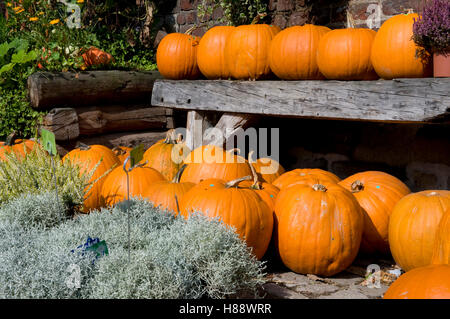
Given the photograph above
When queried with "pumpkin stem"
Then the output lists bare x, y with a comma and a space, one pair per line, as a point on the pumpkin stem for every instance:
255, 184
118, 150
319, 187
235, 182
11, 138
357, 186
82, 146
258, 18
194, 27
409, 11
177, 177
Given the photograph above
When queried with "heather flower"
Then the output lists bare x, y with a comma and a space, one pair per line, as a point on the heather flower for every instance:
432, 28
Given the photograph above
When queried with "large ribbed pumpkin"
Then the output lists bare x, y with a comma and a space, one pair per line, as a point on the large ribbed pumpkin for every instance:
211, 53
209, 161
166, 157
344, 54
168, 194
413, 225
428, 282
298, 174
319, 228
87, 158
176, 56
293, 52
247, 51
239, 207
394, 51
114, 188
268, 169
377, 193
441, 249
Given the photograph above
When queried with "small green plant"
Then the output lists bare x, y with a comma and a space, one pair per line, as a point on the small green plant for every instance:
236, 12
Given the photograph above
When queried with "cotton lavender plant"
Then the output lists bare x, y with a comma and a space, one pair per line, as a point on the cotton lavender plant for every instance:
432, 29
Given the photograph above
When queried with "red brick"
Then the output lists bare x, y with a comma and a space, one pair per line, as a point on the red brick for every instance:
188, 4
298, 18
217, 13
359, 10
181, 19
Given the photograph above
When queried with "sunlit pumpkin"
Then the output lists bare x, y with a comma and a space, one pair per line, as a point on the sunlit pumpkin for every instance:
298, 174
18, 147
268, 169
441, 246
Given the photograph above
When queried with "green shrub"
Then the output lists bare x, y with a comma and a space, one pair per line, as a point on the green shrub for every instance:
34, 174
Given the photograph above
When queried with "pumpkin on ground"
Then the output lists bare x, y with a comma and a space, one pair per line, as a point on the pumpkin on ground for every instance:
87, 157
293, 52
114, 188
210, 161
268, 169
394, 51
176, 56
247, 51
238, 207
377, 193
441, 247
20, 147
211, 53
319, 228
166, 157
167, 194
428, 282
297, 175
413, 225
122, 152
344, 54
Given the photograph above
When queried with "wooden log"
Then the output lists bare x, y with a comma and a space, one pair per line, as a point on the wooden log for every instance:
106, 119
399, 100
70, 89
63, 122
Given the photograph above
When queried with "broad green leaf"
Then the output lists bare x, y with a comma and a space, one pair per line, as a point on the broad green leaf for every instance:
7, 67
4, 48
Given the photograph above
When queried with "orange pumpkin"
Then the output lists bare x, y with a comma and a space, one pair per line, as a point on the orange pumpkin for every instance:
268, 169
428, 282
20, 147
114, 188
166, 157
167, 194
95, 56
247, 51
176, 56
441, 248
344, 54
413, 225
87, 157
211, 53
377, 193
241, 208
210, 161
319, 228
293, 51
297, 175
394, 51
122, 152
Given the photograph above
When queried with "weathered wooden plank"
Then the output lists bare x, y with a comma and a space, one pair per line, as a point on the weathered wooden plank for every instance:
70, 89
106, 119
63, 122
197, 124
399, 100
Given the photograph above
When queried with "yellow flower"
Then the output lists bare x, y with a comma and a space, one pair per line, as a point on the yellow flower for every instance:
34, 18
54, 21
8, 4
21, 10
41, 13
80, 1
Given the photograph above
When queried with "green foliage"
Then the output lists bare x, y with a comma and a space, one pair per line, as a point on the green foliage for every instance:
170, 258
236, 12
34, 174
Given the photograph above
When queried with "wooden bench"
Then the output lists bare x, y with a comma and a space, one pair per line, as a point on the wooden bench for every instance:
239, 103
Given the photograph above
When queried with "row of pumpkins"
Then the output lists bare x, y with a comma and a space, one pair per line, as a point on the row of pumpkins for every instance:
309, 218
306, 52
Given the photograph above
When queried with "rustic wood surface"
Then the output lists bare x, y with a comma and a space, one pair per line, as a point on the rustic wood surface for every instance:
399, 100
63, 122
69, 89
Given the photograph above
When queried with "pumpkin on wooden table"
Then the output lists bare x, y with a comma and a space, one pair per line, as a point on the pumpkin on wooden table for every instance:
166, 156
299, 174
319, 227
176, 56
122, 152
140, 177
427, 282
211, 53
210, 161
167, 194
377, 193
394, 51
413, 226
293, 52
88, 157
239, 207
441, 246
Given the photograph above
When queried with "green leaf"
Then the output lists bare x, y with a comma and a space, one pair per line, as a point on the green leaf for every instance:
7, 67
4, 48
136, 155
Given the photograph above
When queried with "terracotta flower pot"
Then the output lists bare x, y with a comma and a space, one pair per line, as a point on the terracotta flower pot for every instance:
441, 65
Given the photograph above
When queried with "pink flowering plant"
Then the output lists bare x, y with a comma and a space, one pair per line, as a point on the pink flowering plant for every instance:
431, 30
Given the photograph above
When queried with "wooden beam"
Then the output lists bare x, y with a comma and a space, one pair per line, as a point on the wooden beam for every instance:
70, 89
63, 122
399, 100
